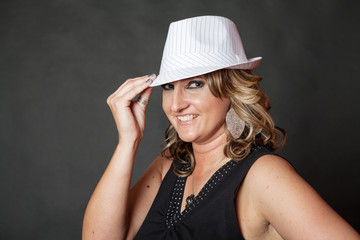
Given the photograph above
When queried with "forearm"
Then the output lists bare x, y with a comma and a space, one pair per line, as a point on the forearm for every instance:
106, 213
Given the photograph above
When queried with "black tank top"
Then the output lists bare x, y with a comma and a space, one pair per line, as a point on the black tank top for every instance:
211, 215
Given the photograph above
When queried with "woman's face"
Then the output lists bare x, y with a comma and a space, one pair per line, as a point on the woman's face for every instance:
196, 114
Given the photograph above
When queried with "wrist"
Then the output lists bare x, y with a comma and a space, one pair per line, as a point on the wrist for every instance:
132, 144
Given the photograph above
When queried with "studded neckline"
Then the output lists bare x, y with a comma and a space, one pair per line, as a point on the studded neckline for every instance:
173, 214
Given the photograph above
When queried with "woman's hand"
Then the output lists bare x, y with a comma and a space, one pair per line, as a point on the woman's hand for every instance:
130, 115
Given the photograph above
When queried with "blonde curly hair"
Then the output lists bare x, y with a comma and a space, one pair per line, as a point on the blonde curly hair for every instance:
249, 103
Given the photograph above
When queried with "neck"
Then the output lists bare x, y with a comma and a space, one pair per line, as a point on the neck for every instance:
209, 153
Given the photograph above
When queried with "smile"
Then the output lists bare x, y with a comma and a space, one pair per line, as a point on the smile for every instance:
186, 118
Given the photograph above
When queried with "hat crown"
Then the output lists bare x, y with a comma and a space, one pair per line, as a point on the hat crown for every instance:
203, 35
200, 45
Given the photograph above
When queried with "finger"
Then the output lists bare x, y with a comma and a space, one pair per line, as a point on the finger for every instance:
146, 93
130, 88
133, 83
139, 107
144, 97
133, 87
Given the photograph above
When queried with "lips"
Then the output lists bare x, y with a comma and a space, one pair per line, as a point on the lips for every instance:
186, 118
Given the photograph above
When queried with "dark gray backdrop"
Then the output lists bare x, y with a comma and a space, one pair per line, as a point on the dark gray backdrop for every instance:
60, 59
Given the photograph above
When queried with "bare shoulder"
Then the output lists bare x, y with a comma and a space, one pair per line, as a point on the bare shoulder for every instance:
268, 172
271, 162
155, 173
288, 204
270, 169
164, 164
249, 201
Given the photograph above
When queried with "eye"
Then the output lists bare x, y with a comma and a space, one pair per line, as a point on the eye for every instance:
195, 84
167, 86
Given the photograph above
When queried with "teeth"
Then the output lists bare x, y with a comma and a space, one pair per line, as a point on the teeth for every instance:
187, 117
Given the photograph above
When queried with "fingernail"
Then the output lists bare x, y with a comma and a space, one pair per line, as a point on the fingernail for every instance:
150, 75
148, 80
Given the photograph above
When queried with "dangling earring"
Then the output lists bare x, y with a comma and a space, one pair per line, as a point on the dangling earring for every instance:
234, 124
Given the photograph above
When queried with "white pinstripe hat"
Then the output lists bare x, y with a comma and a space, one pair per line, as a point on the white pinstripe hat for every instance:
200, 45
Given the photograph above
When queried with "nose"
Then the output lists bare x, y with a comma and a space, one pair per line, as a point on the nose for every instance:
178, 101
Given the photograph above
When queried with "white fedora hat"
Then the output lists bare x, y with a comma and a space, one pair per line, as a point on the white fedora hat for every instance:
200, 45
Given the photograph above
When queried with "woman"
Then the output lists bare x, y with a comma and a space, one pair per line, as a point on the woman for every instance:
217, 176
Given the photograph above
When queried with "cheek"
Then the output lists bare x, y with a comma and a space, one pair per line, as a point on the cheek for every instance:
165, 105
218, 107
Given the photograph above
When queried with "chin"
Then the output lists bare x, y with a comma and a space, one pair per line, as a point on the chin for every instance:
187, 137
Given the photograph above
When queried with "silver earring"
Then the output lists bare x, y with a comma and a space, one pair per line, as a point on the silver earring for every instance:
234, 124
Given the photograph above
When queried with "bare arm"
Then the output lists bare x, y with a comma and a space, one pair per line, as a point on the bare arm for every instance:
291, 205
108, 212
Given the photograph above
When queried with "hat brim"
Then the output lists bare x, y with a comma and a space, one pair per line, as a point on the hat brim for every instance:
184, 73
